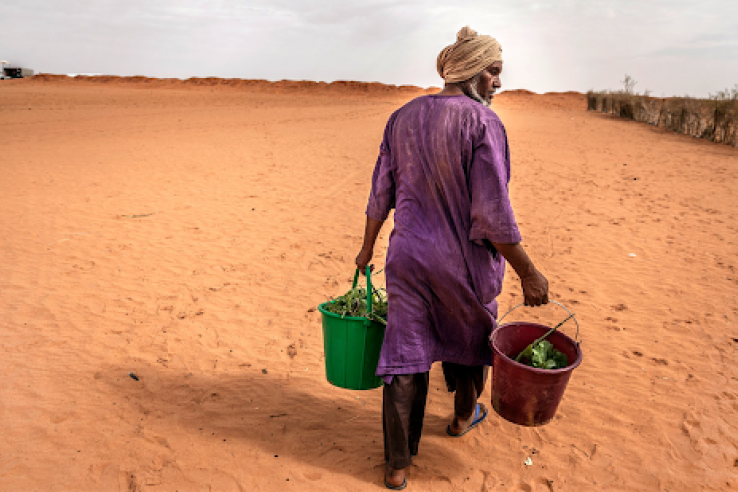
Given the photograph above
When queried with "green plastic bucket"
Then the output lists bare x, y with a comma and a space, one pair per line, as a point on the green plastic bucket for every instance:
352, 346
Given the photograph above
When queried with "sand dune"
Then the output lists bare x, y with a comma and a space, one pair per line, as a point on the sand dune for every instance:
184, 234
258, 85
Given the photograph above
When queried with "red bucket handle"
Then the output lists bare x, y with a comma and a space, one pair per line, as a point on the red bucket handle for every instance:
576, 337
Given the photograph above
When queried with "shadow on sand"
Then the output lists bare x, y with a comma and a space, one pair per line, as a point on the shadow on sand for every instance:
326, 428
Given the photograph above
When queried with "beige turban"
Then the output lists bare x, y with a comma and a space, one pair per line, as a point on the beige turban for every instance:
469, 55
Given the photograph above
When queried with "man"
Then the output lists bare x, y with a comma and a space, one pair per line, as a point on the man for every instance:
444, 167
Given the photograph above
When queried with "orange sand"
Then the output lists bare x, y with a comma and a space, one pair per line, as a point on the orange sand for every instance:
252, 212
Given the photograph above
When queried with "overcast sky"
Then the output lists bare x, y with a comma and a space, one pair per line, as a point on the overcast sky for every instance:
672, 47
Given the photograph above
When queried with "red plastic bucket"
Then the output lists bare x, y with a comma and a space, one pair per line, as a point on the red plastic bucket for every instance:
522, 394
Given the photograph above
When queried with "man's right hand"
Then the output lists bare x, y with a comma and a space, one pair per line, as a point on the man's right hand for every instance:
371, 232
363, 259
535, 289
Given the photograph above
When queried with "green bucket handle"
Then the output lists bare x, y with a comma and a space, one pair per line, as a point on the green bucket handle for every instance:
369, 292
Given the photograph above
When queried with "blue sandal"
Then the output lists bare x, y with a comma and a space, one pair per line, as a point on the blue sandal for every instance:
395, 487
478, 419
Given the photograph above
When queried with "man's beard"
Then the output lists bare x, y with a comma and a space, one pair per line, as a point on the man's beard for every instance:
469, 88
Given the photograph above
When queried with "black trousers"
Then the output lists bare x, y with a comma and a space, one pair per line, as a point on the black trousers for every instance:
403, 407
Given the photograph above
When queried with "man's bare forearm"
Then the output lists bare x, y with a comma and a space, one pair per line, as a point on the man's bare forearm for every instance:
371, 232
535, 285
517, 258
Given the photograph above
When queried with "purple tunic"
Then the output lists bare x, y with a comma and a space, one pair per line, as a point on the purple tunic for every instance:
444, 165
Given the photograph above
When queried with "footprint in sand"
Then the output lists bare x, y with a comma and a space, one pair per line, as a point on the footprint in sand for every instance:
313, 476
59, 418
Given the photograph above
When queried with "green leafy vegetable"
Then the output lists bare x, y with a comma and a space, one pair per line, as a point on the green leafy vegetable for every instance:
542, 355
353, 304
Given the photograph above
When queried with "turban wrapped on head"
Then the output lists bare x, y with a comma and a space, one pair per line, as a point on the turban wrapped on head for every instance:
469, 55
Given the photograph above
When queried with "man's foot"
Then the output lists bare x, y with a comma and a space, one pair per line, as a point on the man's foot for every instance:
459, 427
394, 478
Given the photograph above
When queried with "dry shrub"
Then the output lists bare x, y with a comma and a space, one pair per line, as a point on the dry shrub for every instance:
598, 100
713, 119
642, 110
725, 129
591, 101
627, 106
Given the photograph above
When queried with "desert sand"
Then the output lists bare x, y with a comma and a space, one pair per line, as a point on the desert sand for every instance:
185, 233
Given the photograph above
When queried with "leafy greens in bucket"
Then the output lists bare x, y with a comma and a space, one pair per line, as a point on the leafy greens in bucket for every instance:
353, 304
541, 354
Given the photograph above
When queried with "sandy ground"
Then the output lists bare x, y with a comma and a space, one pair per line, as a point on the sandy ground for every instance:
186, 234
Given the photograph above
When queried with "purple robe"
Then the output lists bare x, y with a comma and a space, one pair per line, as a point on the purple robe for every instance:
444, 166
